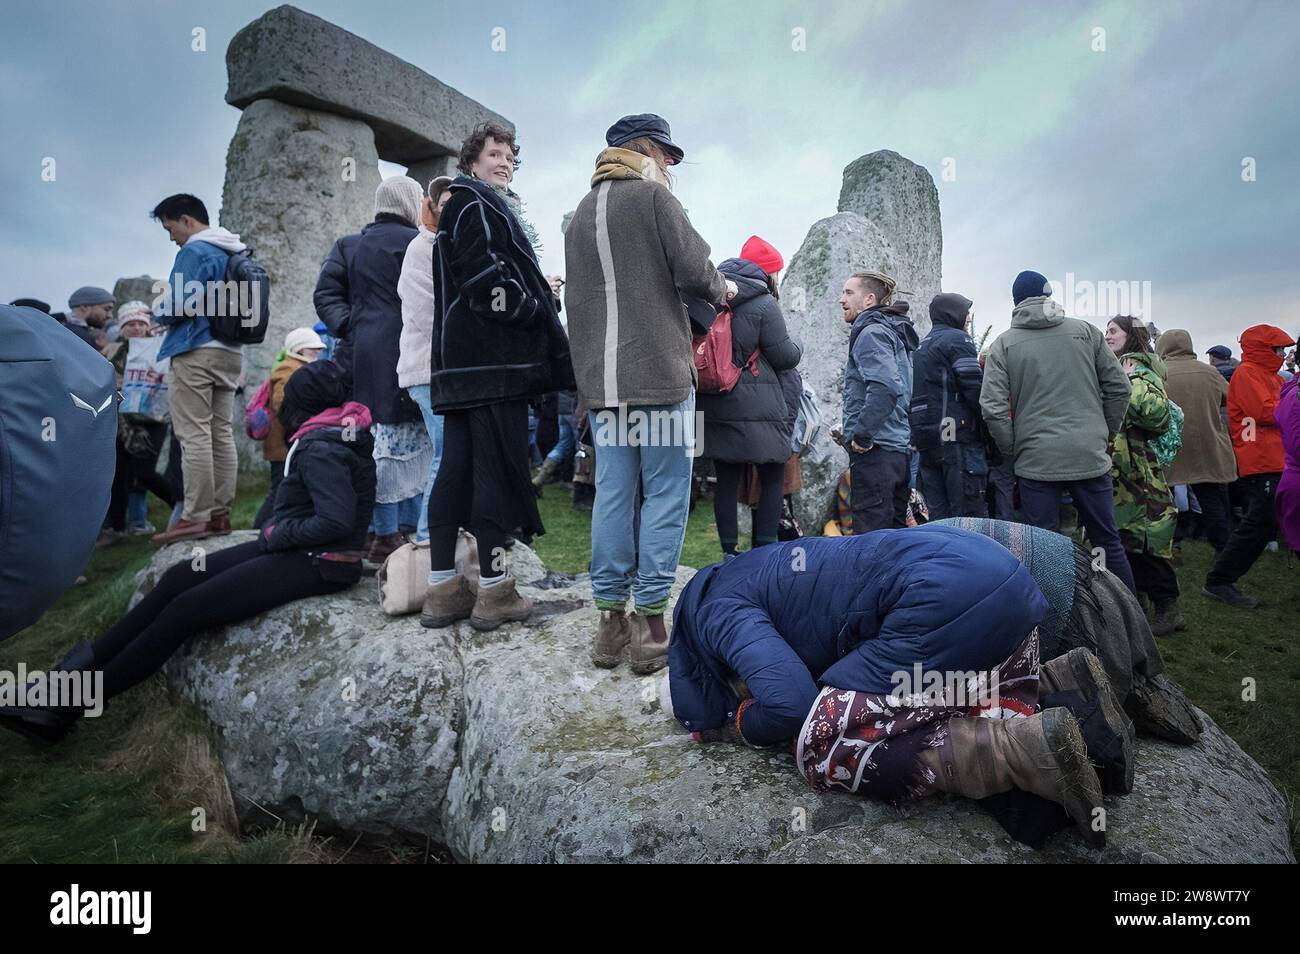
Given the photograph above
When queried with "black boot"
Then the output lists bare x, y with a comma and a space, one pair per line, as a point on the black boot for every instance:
50, 724
1077, 681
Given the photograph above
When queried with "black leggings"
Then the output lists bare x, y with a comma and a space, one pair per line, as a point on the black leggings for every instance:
235, 584
767, 516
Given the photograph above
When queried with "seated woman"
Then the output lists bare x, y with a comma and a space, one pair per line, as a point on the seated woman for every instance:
310, 547
820, 630
1089, 607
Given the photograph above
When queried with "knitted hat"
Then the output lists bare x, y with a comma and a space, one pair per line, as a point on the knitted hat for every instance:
763, 254
400, 196
134, 311
1029, 285
300, 340
89, 295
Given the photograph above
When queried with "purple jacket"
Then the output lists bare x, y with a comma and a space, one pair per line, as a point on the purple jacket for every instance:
1287, 416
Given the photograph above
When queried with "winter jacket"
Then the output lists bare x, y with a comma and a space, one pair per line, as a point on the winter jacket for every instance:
202, 259
1287, 418
496, 334
749, 424
325, 501
275, 447
356, 297
946, 381
632, 258
1144, 505
1054, 395
855, 611
1200, 390
1252, 398
878, 379
415, 289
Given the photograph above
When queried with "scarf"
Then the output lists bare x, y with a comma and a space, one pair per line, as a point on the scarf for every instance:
352, 412
616, 163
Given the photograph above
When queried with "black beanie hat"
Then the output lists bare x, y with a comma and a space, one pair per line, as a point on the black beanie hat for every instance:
313, 388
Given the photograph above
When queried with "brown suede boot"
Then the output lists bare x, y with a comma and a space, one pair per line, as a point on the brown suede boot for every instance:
447, 602
648, 644
219, 523
1043, 755
500, 603
612, 635
1107, 731
385, 544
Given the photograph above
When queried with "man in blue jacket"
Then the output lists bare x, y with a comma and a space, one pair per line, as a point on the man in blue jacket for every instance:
877, 392
947, 428
204, 371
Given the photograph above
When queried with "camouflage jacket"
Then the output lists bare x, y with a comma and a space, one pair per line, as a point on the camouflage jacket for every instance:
1144, 504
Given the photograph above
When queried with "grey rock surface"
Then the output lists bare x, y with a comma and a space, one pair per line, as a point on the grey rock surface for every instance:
137, 288
510, 746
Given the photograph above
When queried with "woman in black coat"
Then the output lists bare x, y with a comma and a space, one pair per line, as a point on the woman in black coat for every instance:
310, 547
750, 424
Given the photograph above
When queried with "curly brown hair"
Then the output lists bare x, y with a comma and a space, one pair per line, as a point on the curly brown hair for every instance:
474, 143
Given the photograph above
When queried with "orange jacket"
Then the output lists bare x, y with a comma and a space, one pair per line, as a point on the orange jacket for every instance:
1252, 396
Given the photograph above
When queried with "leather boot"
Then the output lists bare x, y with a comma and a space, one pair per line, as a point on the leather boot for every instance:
1043, 755
183, 530
219, 523
50, 724
545, 473
447, 602
385, 544
612, 636
1159, 708
500, 603
1078, 682
648, 642
1167, 618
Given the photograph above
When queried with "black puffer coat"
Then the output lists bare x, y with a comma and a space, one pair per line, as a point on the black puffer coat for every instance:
751, 422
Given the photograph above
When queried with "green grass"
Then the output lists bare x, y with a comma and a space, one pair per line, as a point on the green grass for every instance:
123, 786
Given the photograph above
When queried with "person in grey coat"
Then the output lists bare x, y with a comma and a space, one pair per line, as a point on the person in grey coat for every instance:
750, 424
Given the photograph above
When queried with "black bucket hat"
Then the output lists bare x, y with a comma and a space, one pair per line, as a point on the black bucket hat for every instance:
644, 124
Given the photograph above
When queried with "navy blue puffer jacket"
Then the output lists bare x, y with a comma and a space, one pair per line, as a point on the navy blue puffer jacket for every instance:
847, 612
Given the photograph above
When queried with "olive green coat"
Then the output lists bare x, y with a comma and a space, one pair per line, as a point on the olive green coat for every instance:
1144, 504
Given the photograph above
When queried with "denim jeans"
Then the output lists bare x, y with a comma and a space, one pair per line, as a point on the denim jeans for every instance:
567, 445
137, 509
433, 424
645, 564
1094, 498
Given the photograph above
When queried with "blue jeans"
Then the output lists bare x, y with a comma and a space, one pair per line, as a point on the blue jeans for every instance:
1095, 500
567, 445
137, 509
433, 424
620, 562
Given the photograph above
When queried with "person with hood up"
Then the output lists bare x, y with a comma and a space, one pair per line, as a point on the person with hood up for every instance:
1205, 462
1054, 397
356, 296
877, 393
1253, 395
204, 371
632, 258
302, 346
750, 423
1144, 504
1287, 417
828, 654
947, 429
497, 341
310, 547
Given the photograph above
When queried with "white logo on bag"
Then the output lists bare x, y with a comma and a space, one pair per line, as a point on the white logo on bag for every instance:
82, 404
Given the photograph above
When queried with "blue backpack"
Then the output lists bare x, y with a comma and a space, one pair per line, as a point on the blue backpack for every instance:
58, 425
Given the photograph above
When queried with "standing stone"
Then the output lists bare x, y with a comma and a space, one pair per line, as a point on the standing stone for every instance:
296, 180
139, 288
889, 222
429, 169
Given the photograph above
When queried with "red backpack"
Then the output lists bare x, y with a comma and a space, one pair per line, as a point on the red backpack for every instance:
714, 365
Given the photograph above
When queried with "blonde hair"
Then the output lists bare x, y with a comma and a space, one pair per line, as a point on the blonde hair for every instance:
648, 147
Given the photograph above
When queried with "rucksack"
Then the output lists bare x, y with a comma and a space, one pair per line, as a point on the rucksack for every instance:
257, 416
237, 325
715, 363
1167, 445
808, 422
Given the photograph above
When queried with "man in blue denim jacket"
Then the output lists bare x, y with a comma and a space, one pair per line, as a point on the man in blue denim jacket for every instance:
204, 371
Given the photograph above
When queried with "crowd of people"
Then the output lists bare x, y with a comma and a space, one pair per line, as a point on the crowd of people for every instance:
413, 413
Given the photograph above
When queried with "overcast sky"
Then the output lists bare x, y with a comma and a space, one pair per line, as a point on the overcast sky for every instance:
1122, 164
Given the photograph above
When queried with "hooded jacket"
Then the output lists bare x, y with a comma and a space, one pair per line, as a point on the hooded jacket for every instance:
1252, 398
202, 259
1144, 506
1054, 395
1287, 417
1200, 390
946, 380
878, 378
861, 609
632, 257
750, 423
496, 334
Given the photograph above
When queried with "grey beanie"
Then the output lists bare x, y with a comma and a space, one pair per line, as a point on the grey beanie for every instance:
399, 195
89, 295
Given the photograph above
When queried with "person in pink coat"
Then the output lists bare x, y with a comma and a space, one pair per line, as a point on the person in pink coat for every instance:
1287, 416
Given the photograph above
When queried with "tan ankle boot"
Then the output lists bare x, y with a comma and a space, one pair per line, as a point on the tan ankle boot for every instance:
499, 603
649, 644
612, 635
1043, 755
1107, 731
447, 602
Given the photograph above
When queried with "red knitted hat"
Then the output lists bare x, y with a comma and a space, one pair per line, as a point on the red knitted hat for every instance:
763, 254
